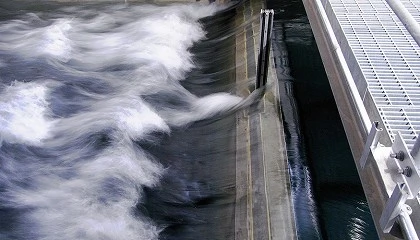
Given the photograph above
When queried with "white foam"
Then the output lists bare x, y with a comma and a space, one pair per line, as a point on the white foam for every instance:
23, 113
126, 116
98, 202
86, 191
137, 122
205, 107
55, 40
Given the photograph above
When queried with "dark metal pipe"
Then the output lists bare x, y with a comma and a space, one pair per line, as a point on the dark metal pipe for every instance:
266, 25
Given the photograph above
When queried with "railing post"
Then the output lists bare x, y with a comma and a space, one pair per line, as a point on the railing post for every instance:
371, 143
266, 25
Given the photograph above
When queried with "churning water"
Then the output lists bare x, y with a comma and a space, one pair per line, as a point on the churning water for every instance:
102, 135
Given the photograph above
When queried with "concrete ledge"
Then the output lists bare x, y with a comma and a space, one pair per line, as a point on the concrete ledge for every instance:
263, 181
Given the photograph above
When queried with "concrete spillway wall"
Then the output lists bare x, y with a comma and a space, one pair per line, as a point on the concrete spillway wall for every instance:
263, 206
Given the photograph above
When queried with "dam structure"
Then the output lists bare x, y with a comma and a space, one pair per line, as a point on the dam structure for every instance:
370, 50
132, 120
145, 119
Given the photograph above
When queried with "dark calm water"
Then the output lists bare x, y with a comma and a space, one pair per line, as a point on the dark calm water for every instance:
328, 197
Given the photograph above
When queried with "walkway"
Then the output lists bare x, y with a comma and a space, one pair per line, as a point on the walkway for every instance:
371, 53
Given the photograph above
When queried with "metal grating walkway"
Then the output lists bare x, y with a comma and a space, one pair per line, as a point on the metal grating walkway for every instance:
387, 57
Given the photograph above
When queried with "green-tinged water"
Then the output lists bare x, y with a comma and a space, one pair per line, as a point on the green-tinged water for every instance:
339, 209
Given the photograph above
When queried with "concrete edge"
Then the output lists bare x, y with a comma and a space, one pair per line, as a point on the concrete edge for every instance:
262, 167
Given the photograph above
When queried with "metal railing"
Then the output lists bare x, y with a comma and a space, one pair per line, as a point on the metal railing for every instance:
408, 183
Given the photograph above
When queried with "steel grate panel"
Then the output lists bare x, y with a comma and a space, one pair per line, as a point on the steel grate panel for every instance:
389, 59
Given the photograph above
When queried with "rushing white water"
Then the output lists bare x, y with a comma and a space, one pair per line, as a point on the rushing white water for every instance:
23, 106
72, 88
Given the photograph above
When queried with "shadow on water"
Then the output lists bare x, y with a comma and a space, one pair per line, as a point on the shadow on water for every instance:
328, 197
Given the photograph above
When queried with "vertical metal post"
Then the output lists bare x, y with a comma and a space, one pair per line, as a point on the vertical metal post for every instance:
415, 149
266, 25
371, 142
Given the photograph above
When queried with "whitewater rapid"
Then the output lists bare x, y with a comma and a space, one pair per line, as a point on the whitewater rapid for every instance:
73, 88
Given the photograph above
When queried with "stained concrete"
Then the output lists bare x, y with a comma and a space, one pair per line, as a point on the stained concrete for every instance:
263, 198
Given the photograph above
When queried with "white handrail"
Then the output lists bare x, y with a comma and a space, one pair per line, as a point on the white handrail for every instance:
358, 102
407, 225
406, 18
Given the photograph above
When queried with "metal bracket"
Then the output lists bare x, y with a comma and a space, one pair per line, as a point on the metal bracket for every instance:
393, 208
371, 143
266, 25
407, 166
